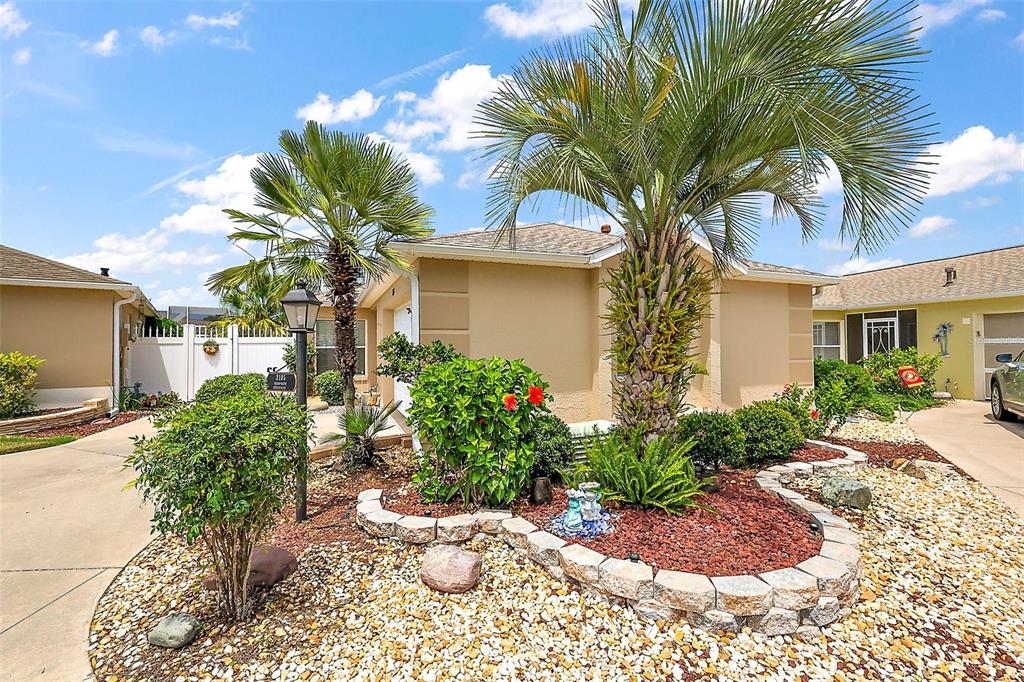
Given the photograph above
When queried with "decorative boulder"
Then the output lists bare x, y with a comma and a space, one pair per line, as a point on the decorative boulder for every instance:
174, 631
447, 568
846, 492
269, 565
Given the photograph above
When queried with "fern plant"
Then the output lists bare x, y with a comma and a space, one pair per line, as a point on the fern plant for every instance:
655, 474
359, 427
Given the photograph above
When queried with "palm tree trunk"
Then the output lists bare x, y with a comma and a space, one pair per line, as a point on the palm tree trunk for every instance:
659, 296
344, 281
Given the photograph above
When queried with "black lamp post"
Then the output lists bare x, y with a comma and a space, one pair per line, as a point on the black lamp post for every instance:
300, 308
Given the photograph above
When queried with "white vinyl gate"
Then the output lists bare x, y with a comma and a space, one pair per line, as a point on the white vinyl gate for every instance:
164, 361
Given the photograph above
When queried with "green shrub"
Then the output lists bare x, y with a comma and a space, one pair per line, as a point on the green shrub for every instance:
404, 360
772, 432
359, 426
18, 376
717, 440
833, 402
554, 447
883, 368
655, 474
330, 387
230, 385
885, 404
799, 402
289, 357
851, 381
219, 472
475, 421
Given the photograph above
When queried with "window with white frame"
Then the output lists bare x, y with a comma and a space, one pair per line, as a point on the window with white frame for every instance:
325, 346
826, 340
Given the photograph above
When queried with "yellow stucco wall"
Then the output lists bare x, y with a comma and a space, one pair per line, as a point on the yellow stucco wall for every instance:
70, 328
959, 366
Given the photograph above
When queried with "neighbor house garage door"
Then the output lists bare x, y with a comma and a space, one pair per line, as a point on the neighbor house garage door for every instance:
1002, 333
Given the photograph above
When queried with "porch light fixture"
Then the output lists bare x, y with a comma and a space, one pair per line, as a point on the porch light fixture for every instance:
300, 308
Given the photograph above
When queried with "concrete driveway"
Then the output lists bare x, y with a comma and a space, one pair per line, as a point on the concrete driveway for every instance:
992, 452
66, 528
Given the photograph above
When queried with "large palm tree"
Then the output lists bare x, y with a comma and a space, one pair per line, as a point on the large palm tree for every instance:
678, 121
333, 203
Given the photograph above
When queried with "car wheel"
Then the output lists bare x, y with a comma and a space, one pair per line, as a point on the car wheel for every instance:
998, 411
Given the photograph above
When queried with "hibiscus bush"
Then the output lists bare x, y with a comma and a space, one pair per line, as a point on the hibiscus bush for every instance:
800, 402
475, 419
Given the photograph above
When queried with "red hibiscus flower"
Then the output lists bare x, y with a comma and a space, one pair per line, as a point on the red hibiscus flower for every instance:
536, 395
814, 414
510, 402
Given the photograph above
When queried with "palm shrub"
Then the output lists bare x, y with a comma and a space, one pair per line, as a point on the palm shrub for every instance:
475, 420
255, 301
717, 439
772, 432
231, 385
219, 472
678, 120
359, 427
554, 447
654, 473
18, 376
330, 387
333, 203
404, 360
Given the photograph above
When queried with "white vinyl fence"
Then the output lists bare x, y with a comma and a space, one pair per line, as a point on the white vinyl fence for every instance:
174, 360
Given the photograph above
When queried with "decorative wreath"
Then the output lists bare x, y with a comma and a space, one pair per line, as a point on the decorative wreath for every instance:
210, 347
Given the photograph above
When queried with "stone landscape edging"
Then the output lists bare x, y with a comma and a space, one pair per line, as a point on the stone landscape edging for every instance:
73, 416
814, 593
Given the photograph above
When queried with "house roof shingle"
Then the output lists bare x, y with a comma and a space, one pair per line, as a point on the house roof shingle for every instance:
987, 273
15, 264
563, 240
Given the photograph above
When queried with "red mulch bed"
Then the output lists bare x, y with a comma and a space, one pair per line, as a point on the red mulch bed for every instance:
809, 454
741, 530
411, 504
880, 454
92, 427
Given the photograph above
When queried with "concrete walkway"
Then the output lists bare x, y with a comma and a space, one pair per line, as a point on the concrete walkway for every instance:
991, 451
66, 528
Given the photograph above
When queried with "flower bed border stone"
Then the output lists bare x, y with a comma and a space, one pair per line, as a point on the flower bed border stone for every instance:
73, 416
814, 593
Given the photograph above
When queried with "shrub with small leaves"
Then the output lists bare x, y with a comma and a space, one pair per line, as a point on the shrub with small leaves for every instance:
799, 402
18, 376
772, 432
717, 440
330, 388
554, 447
231, 385
404, 360
884, 370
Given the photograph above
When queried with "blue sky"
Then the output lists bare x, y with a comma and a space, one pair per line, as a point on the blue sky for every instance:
126, 127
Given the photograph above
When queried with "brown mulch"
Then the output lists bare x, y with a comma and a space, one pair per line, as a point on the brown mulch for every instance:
411, 504
880, 454
92, 427
740, 529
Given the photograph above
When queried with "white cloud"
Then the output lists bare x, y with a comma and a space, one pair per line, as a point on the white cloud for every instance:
155, 39
12, 24
935, 15
105, 46
22, 56
547, 18
975, 156
419, 70
404, 96
829, 182
227, 20
227, 187
981, 202
991, 15
475, 175
360, 105
186, 295
426, 168
146, 145
929, 225
229, 43
1019, 40
145, 254
412, 131
862, 264
836, 244
453, 102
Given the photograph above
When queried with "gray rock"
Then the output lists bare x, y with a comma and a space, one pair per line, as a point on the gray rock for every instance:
174, 631
446, 568
808, 632
686, 591
715, 621
775, 622
826, 611
846, 492
743, 595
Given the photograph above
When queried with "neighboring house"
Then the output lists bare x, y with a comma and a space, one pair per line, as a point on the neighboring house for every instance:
194, 314
76, 320
542, 301
980, 294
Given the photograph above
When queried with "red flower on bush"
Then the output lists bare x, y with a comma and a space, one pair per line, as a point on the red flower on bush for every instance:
510, 402
536, 395
814, 414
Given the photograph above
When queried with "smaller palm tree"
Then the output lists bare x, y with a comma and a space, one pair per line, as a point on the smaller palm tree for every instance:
359, 427
254, 301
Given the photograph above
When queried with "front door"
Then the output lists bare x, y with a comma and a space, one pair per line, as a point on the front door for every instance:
403, 325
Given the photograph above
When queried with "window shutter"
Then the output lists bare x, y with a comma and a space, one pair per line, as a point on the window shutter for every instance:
854, 337
908, 328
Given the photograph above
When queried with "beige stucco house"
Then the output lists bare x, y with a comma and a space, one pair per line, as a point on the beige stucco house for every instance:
542, 301
76, 320
980, 294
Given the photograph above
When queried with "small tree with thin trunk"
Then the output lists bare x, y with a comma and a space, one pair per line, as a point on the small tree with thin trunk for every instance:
219, 472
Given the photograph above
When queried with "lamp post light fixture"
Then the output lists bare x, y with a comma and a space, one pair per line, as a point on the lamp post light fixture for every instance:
301, 307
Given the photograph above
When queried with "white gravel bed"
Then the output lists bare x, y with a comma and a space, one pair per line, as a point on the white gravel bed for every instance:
876, 431
942, 600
